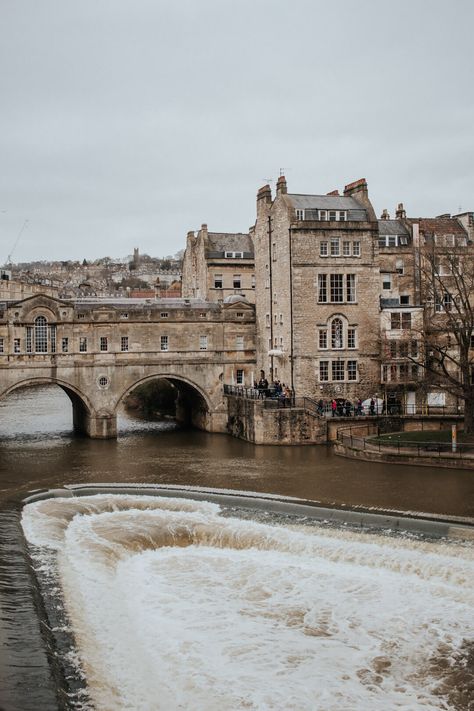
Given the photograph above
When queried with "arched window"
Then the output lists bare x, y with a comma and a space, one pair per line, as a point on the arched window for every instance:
337, 333
41, 334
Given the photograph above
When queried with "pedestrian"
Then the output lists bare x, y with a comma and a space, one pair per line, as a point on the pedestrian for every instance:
372, 407
347, 408
320, 409
333, 407
359, 407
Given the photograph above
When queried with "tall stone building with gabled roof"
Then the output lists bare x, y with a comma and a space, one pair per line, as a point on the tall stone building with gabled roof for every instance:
318, 288
218, 264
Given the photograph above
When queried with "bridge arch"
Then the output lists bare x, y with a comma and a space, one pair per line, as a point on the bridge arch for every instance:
193, 405
81, 405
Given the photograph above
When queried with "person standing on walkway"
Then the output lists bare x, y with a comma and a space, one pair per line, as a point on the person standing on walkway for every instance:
333, 407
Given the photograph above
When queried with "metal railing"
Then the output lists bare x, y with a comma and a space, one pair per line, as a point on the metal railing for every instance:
367, 443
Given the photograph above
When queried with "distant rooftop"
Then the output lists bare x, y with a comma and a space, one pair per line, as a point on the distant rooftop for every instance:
392, 227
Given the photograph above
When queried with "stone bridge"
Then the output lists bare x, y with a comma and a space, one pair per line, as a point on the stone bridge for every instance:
100, 350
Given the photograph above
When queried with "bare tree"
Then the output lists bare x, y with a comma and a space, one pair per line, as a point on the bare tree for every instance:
447, 283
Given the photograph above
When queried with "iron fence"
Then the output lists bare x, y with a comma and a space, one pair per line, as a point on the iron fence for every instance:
365, 442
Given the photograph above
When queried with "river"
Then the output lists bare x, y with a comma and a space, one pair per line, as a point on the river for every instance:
38, 450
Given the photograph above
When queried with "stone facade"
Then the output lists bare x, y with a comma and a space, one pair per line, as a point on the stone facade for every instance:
318, 291
99, 351
217, 265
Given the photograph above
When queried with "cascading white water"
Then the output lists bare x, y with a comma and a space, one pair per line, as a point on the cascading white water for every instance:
174, 606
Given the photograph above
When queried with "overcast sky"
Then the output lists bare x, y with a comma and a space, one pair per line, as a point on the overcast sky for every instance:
126, 123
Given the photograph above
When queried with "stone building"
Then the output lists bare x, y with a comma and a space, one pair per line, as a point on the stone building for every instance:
318, 288
218, 264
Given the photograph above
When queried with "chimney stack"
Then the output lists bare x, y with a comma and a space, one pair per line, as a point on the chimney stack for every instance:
401, 212
281, 185
264, 195
385, 215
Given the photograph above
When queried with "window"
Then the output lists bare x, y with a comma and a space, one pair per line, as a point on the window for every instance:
444, 302
124, 344
267, 320
394, 321
82, 316
332, 215
352, 370
322, 288
64, 345
236, 281
351, 337
403, 349
322, 215
335, 247
253, 281
164, 314
350, 288
103, 381
52, 337
403, 371
356, 249
300, 214
337, 294
386, 281
230, 255
41, 334
239, 343
414, 349
406, 320
2, 346
323, 249
414, 371
164, 343
82, 344
240, 377
240, 314
123, 315
281, 319
336, 333
323, 370
202, 314
342, 216
104, 343
393, 349
16, 345
337, 369
323, 338
346, 249
29, 339
404, 299
275, 319
388, 241
399, 266
203, 343
217, 281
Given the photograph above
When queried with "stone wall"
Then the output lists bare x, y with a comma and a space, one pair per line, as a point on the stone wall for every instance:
252, 421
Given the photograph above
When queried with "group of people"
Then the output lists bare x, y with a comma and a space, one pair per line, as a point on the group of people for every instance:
276, 390
345, 408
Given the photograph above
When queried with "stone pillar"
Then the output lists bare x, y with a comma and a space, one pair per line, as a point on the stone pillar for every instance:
101, 425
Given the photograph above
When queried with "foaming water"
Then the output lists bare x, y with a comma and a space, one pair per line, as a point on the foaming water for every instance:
175, 606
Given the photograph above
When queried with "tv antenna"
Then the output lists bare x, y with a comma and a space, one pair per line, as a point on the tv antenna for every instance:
15, 244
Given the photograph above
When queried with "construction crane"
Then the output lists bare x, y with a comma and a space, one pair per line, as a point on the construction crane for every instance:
15, 244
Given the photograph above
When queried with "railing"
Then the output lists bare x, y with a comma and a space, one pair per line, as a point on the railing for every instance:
366, 443
272, 400
344, 409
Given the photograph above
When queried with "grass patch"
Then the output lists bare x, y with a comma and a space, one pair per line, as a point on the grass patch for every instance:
435, 436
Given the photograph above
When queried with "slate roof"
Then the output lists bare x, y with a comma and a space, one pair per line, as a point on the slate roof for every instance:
330, 202
392, 227
230, 242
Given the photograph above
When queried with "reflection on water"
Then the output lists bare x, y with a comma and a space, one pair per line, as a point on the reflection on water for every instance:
175, 607
38, 450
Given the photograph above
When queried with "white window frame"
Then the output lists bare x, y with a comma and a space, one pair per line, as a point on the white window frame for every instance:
203, 343
164, 343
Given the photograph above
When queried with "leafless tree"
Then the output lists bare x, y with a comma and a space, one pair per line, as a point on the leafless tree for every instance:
447, 284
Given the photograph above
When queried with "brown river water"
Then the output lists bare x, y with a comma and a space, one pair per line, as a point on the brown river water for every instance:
38, 450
